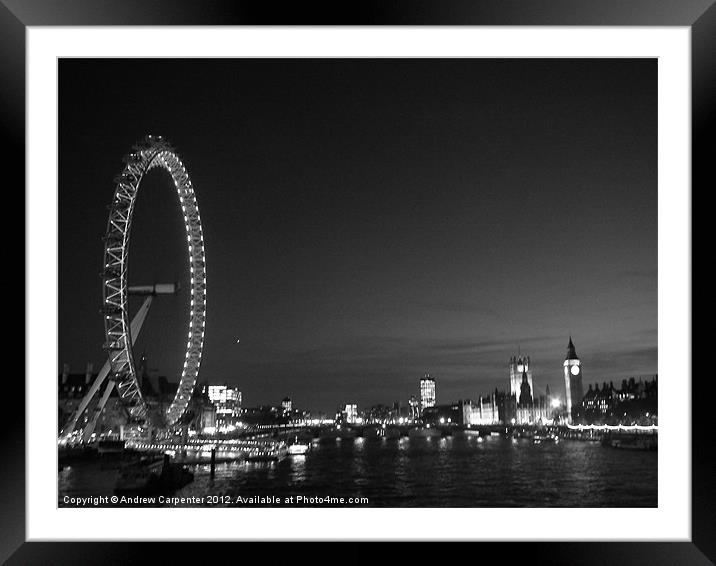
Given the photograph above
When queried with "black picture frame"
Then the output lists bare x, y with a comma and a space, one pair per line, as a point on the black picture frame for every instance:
698, 15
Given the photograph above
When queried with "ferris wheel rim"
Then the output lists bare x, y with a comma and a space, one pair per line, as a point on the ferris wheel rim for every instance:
152, 152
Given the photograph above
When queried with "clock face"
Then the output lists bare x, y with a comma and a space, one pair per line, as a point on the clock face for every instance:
574, 370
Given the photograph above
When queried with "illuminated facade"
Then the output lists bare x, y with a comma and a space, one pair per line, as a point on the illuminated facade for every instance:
482, 412
227, 399
539, 412
519, 368
572, 380
489, 413
427, 392
227, 403
350, 413
208, 417
286, 404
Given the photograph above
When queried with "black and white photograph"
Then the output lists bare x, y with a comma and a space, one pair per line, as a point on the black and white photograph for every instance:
409, 272
366, 282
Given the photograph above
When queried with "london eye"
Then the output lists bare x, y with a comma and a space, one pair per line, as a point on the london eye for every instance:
120, 332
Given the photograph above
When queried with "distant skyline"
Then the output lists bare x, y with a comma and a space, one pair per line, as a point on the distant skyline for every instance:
370, 221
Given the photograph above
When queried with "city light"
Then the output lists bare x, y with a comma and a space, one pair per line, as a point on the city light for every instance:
627, 428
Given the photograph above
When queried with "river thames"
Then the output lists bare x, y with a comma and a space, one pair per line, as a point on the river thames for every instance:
417, 472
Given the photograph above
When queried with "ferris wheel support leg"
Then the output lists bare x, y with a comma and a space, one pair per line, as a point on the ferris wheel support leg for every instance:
135, 328
138, 319
89, 429
72, 423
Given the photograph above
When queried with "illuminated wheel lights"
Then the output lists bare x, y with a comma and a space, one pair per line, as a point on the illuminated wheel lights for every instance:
151, 152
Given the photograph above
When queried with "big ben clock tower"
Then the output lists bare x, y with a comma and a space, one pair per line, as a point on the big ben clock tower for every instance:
572, 379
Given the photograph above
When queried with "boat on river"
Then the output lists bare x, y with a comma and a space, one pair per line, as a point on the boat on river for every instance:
270, 452
152, 474
298, 448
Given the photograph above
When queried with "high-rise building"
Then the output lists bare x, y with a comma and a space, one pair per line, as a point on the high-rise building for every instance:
227, 400
427, 392
286, 404
520, 365
572, 379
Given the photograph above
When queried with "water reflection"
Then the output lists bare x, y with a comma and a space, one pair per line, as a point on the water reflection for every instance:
426, 472
298, 468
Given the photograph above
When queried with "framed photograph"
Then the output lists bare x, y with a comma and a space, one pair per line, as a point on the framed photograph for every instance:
412, 275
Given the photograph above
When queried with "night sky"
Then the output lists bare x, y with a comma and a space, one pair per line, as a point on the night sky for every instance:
368, 221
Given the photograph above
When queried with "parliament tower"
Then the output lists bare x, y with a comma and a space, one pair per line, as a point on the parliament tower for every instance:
572, 379
520, 365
